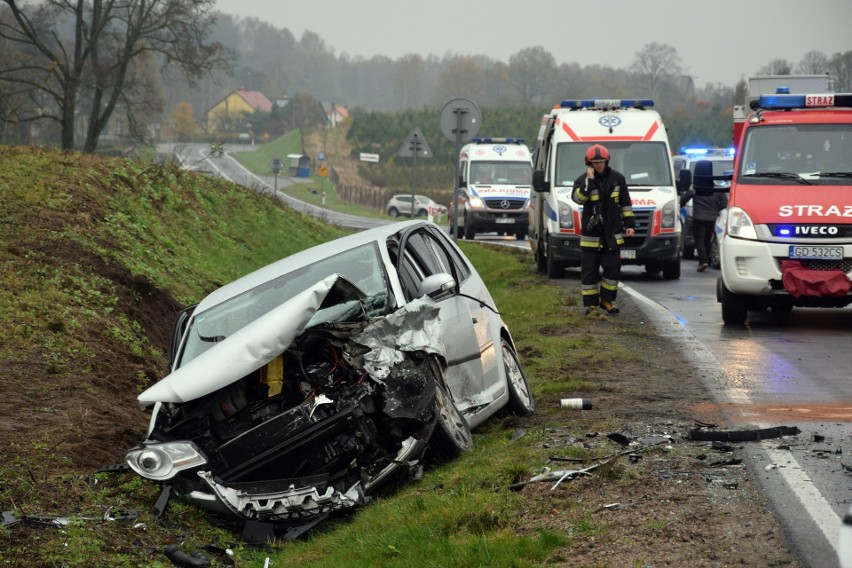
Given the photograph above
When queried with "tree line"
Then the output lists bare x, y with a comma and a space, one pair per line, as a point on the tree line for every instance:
71, 66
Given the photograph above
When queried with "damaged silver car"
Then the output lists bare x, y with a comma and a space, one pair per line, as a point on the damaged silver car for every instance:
302, 388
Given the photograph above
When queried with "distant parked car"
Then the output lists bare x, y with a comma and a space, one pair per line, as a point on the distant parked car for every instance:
401, 205
300, 389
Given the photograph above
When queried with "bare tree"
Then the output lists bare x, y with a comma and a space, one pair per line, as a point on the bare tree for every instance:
776, 67
531, 72
841, 66
813, 62
90, 46
654, 64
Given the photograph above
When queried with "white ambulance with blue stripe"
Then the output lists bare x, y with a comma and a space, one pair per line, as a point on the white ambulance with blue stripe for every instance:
639, 148
495, 182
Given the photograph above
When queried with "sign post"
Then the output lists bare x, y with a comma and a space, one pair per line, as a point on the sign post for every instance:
413, 146
460, 121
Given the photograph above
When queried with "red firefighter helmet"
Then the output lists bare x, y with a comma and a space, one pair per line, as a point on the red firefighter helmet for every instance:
596, 153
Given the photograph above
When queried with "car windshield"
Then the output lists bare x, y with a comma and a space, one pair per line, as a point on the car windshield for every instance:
362, 266
801, 154
641, 163
501, 172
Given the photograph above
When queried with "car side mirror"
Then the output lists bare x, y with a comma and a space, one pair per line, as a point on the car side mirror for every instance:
539, 183
437, 286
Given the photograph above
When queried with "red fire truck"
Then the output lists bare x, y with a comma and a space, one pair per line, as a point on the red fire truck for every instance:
787, 237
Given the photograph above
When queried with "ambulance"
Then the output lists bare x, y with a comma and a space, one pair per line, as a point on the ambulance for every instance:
636, 139
786, 239
495, 181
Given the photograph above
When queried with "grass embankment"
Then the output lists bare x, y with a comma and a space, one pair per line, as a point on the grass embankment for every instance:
97, 256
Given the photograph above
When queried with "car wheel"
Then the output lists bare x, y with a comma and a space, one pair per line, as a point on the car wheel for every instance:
734, 307
451, 436
521, 401
469, 233
393, 212
672, 271
554, 268
520, 235
540, 260
422, 213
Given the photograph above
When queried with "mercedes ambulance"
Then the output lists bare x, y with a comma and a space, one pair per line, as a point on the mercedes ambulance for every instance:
495, 180
636, 139
787, 237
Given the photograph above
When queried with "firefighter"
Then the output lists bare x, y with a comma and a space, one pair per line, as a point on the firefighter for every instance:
607, 219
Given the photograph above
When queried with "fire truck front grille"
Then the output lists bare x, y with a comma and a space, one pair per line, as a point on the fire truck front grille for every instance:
826, 232
845, 265
505, 203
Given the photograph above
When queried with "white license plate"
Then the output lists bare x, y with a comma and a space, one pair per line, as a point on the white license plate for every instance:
628, 254
816, 252
504, 220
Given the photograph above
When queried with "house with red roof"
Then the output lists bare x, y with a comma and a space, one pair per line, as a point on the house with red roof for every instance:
230, 114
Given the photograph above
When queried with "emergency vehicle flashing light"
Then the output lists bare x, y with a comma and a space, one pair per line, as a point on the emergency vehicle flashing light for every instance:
496, 140
781, 101
698, 151
606, 103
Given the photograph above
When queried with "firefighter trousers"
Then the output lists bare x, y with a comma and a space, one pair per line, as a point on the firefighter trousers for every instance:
600, 271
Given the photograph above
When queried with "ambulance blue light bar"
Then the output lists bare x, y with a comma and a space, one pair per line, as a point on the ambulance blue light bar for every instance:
496, 140
783, 101
701, 151
606, 103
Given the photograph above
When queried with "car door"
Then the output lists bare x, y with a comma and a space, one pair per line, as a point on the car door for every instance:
416, 261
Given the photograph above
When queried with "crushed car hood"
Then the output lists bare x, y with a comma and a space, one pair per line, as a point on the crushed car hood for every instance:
248, 349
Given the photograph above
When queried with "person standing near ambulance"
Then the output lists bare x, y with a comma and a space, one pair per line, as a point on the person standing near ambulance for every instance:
607, 219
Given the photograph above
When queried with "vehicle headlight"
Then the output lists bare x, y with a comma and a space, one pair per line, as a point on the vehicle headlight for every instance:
163, 461
739, 224
669, 215
566, 216
475, 202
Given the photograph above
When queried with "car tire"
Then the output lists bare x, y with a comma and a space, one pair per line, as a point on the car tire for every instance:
393, 212
734, 306
459, 232
672, 271
688, 252
422, 213
521, 402
554, 268
520, 235
540, 259
469, 233
451, 436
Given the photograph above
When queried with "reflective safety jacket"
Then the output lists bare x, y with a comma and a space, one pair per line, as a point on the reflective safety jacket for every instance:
605, 199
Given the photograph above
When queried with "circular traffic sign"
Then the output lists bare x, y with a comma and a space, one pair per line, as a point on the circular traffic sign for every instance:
460, 119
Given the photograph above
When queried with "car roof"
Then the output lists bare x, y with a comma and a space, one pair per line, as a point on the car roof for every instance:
300, 259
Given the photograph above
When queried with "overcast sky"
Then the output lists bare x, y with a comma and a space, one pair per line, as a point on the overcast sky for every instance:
719, 41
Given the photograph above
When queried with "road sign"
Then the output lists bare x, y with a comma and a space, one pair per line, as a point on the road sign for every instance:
415, 146
460, 119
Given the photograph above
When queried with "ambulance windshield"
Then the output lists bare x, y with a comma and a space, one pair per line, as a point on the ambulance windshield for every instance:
641, 163
812, 154
500, 172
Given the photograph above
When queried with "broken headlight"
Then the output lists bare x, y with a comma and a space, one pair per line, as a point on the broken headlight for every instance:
163, 461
